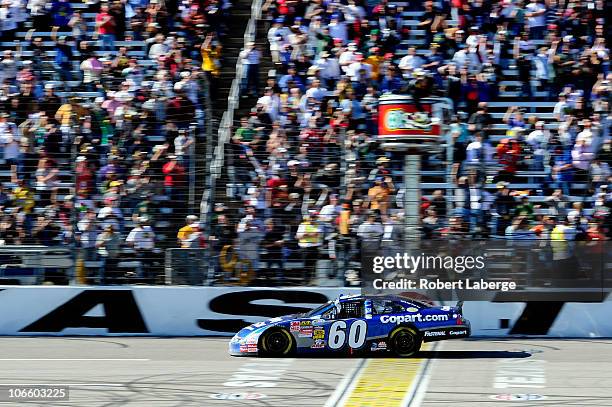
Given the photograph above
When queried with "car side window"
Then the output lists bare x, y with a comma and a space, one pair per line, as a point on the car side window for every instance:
330, 313
351, 309
381, 307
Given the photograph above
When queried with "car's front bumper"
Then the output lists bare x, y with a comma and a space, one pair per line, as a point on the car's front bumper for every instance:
238, 349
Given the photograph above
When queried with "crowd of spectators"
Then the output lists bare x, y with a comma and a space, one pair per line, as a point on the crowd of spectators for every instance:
100, 105
316, 186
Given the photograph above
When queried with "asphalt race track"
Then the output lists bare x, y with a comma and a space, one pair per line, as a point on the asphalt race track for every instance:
198, 372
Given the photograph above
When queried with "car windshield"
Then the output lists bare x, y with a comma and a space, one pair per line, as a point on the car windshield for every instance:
319, 310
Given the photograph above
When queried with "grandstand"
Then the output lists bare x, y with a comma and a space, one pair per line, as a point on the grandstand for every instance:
260, 117
112, 98
466, 182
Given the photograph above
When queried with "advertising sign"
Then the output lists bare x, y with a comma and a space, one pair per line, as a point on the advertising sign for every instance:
401, 118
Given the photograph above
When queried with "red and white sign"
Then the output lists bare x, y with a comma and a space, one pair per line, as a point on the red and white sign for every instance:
400, 118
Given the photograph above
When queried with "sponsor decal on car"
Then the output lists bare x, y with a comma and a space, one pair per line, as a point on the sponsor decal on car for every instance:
382, 345
398, 319
295, 326
435, 333
318, 334
412, 309
463, 332
318, 322
306, 329
318, 344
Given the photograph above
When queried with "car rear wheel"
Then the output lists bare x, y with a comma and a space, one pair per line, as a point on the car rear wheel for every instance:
405, 341
276, 342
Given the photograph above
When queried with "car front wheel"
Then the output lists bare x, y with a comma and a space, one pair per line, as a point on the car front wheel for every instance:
276, 342
405, 341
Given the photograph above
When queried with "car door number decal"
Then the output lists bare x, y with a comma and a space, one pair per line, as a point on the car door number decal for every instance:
338, 334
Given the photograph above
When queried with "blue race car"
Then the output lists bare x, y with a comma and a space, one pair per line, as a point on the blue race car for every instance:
351, 324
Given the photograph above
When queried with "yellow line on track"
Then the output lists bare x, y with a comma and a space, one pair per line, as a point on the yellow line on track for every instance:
384, 382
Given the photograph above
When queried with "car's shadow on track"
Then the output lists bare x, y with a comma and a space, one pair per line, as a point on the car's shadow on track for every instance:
472, 354
428, 354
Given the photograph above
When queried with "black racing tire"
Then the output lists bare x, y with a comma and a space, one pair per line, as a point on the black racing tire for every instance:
276, 342
405, 341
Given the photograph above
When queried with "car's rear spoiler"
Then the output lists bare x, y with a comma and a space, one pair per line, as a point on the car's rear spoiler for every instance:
459, 307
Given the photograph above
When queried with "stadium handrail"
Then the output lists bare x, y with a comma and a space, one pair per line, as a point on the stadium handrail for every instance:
225, 126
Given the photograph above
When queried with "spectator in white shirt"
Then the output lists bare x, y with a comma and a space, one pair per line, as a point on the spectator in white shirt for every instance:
538, 140
410, 62
158, 48
536, 19
250, 57
92, 69
359, 68
271, 103
142, 240
316, 91
329, 67
278, 35
347, 57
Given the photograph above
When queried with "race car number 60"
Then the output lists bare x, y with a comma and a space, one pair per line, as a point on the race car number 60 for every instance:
356, 335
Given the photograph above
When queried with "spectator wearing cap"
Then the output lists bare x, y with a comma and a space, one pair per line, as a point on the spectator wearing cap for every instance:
298, 42
182, 144
379, 193
278, 35
359, 70
338, 28
174, 178
329, 68
142, 239
107, 247
189, 235
110, 213
87, 234
347, 57
250, 57
249, 240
